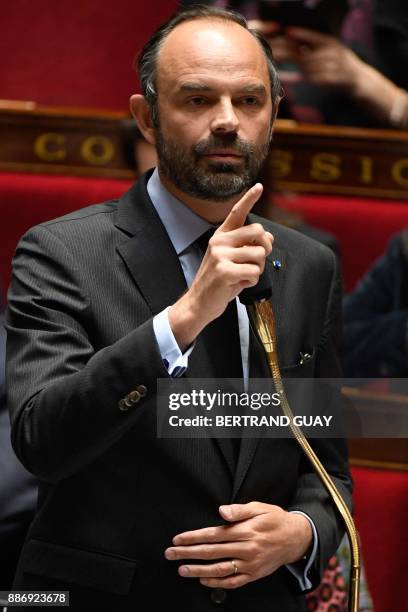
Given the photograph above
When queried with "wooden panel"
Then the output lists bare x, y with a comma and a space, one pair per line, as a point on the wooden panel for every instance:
383, 453
348, 161
65, 141
387, 453
306, 158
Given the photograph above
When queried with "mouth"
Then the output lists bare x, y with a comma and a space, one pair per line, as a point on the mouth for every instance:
223, 155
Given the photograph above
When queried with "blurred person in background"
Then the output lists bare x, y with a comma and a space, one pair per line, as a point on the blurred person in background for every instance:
375, 331
341, 61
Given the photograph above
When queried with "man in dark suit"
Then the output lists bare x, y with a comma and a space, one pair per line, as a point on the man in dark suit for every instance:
107, 300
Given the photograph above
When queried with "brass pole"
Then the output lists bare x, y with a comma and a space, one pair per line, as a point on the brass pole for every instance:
263, 320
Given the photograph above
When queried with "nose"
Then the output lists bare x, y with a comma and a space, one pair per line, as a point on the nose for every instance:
225, 119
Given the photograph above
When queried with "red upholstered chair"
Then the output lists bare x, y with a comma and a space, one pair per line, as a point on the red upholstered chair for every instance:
28, 199
362, 227
381, 511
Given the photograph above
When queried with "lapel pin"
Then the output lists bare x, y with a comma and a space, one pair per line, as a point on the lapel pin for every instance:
277, 264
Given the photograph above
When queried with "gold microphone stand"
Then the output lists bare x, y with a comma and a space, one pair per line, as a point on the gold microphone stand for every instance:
263, 321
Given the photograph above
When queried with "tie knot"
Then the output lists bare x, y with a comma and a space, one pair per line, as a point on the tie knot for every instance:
204, 239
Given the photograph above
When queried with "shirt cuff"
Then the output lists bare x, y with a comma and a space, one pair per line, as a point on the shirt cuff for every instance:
301, 568
174, 360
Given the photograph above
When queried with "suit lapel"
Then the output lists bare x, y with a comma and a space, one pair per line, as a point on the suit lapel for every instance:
148, 252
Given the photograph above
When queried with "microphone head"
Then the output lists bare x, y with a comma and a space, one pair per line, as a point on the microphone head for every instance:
261, 291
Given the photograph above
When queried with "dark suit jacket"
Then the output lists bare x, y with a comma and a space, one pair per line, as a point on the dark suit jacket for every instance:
85, 288
18, 488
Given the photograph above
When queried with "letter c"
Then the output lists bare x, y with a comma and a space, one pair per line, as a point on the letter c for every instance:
50, 147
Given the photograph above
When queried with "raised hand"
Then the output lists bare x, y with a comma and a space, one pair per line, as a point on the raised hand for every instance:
235, 258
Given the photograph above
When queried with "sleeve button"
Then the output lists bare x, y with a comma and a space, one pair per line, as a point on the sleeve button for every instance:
142, 390
122, 405
134, 396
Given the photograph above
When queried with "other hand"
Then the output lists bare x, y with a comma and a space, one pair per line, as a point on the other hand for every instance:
325, 61
283, 48
258, 539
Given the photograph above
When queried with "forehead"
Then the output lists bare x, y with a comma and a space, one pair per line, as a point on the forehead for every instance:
211, 49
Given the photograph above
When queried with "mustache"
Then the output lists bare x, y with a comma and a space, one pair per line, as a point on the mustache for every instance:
223, 142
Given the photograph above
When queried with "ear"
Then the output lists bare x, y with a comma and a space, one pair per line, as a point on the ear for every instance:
141, 112
275, 109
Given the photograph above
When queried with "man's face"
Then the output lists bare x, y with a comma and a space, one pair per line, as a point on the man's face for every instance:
214, 109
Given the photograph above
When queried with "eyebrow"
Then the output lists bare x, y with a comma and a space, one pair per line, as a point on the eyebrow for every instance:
253, 88
191, 86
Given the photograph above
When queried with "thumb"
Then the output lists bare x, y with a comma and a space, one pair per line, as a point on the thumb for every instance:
266, 28
242, 512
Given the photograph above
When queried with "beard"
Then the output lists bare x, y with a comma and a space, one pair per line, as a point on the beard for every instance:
193, 174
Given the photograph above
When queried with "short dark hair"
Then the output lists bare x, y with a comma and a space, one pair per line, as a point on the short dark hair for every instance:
147, 60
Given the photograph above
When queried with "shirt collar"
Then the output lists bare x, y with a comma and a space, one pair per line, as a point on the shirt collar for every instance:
182, 224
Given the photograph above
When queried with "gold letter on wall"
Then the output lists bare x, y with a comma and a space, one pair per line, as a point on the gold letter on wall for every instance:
397, 172
97, 150
281, 163
325, 167
366, 175
50, 147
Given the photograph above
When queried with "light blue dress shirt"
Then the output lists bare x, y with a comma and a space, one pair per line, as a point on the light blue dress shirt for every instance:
184, 227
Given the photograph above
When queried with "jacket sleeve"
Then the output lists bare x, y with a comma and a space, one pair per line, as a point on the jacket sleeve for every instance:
375, 339
63, 395
311, 496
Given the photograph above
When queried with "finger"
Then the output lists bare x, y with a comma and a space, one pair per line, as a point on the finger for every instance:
310, 58
208, 552
244, 274
311, 37
232, 582
251, 234
236, 276
249, 254
221, 534
242, 255
241, 512
222, 569
241, 209
316, 61
321, 77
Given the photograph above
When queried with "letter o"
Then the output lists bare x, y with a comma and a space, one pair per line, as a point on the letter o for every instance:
95, 157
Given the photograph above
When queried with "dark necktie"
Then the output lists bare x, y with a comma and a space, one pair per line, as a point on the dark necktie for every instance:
221, 339
221, 336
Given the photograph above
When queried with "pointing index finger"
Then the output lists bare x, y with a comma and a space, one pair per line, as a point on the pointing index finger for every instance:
240, 210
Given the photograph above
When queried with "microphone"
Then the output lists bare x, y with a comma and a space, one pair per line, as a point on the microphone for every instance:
259, 292
257, 299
